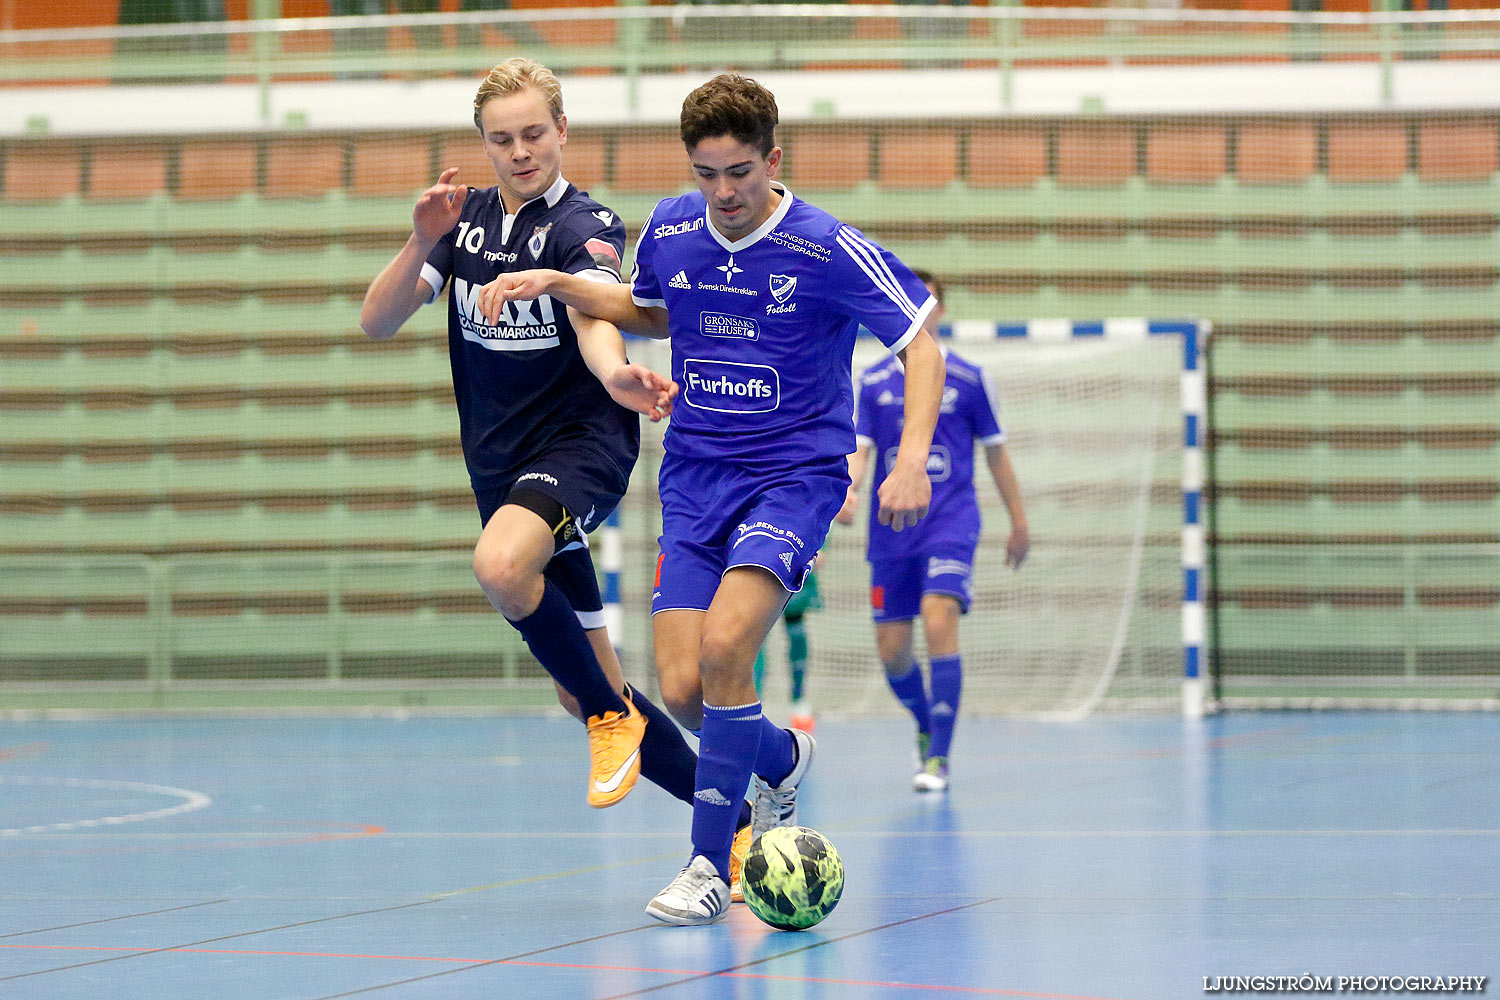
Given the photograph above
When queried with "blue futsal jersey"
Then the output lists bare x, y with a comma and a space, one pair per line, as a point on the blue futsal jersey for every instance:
763, 327
521, 384
969, 413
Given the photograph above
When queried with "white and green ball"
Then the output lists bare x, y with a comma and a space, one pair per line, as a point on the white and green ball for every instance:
792, 877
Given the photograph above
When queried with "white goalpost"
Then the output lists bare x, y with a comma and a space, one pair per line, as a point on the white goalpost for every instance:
1104, 423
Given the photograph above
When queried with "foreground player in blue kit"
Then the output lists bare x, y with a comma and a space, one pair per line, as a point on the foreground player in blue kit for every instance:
761, 295
926, 570
549, 452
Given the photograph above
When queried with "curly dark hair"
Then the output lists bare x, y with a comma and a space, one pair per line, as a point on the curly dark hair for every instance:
732, 105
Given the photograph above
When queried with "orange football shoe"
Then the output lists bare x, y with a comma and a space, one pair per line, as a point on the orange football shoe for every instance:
614, 754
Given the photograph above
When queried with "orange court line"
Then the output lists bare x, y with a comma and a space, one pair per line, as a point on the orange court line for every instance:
926, 987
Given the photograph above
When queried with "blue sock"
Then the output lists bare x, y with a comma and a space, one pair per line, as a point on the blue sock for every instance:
731, 737
666, 759
778, 753
558, 641
947, 684
911, 692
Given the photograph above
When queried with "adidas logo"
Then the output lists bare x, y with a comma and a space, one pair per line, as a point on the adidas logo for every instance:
786, 557
712, 796
679, 280
942, 708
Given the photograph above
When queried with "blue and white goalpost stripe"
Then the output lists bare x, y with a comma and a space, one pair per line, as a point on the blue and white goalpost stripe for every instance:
611, 561
1194, 393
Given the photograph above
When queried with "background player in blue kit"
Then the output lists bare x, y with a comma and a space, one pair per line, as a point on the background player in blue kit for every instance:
927, 570
549, 452
761, 295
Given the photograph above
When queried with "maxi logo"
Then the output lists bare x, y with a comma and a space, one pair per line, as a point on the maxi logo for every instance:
730, 387
524, 325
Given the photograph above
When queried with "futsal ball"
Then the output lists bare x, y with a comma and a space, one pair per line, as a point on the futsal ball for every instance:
792, 877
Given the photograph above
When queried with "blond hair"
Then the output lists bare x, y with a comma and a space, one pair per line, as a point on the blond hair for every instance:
514, 76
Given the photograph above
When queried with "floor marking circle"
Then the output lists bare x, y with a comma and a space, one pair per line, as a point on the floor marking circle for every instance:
191, 801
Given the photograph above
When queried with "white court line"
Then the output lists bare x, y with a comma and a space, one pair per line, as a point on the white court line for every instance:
191, 801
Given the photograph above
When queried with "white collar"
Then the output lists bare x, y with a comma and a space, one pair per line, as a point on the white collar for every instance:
734, 246
552, 195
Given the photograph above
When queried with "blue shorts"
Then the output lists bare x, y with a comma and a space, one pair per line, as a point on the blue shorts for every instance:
718, 515
898, 585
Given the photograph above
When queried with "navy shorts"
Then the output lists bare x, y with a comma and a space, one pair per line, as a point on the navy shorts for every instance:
589, 486
897, 585
719, 515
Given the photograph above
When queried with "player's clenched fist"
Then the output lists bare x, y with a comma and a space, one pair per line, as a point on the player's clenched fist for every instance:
904, 497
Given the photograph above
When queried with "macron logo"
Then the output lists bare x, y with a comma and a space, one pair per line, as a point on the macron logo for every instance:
679, 280
711, 796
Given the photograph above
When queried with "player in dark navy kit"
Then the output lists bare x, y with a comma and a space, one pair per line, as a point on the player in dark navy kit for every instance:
926, 571
761, 295
544, 398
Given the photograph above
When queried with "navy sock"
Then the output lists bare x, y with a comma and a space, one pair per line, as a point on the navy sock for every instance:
778, 753
947, 684
911, 692
666, 758
558, 641
731, 737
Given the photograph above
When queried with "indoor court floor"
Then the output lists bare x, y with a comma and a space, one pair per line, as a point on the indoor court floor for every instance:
1127, 858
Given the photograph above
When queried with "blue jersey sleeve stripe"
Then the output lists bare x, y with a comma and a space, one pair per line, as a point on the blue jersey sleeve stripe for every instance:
915, 328
877, 257
870, 263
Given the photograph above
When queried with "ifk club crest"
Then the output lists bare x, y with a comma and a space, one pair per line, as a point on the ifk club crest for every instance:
782, 286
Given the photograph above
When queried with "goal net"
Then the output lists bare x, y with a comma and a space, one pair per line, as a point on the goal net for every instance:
1093, 618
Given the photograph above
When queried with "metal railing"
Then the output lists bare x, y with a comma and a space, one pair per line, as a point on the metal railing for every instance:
634, 42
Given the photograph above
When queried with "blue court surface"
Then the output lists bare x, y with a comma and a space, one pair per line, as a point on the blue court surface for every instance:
440, 857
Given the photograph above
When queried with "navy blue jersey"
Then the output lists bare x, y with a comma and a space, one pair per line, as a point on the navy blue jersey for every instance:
521, 384
969, 413
763, 327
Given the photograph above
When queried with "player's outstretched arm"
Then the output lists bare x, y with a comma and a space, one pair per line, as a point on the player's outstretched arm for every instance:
633, 386
906, 492
398, 290
1019, 542
858, 460
608, 301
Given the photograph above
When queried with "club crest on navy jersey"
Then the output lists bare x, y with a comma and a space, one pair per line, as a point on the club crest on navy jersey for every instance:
782, 286
538, 240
